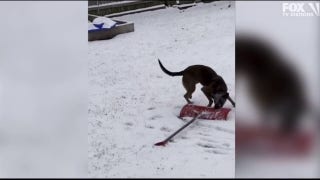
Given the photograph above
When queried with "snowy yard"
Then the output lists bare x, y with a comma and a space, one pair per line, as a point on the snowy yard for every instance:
133, 104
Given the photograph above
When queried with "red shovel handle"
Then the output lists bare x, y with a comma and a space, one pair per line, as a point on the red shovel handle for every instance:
162, 143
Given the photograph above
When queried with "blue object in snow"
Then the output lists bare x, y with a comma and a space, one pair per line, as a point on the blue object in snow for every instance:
99, 26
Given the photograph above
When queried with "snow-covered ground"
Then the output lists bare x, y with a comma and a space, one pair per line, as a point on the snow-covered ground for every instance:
133, 104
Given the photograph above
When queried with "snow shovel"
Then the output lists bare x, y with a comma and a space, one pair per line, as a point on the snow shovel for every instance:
164, 142
190, 110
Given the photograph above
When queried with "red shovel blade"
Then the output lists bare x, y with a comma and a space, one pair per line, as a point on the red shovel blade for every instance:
211, 113
162, 143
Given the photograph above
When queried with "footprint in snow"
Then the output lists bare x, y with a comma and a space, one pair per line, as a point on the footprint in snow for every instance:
226, 144
149, 127
208, 140
203, 134
165, 129
214, 147
224, 130
128, 123
205, 145
184, 137
155, 117
215, 152
151, 108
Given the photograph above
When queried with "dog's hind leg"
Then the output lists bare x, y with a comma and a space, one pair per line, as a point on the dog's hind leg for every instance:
190, 88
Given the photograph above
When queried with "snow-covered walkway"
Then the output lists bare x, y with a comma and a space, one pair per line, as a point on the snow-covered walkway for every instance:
133, 104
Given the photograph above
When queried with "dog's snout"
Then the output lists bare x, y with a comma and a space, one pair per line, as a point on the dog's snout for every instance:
217, 106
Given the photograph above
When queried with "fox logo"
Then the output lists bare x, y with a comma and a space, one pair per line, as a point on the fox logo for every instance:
315, 8
301, 9
293, 7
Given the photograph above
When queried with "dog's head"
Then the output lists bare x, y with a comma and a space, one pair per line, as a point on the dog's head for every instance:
219, 92
220, 99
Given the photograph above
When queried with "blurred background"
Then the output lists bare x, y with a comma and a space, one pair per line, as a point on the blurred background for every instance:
43, 89
277, 85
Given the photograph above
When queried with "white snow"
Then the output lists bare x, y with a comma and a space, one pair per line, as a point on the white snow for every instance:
91, 26
133, 104
107, 22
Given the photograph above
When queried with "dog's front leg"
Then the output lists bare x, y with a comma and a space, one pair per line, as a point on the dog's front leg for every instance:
207, 91
231, 101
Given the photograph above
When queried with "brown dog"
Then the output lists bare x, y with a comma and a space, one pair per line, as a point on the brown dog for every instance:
214, 86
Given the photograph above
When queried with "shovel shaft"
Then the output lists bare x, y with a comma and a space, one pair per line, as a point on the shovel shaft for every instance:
184, 126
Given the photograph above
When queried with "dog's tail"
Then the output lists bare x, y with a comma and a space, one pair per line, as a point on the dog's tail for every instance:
168, 72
